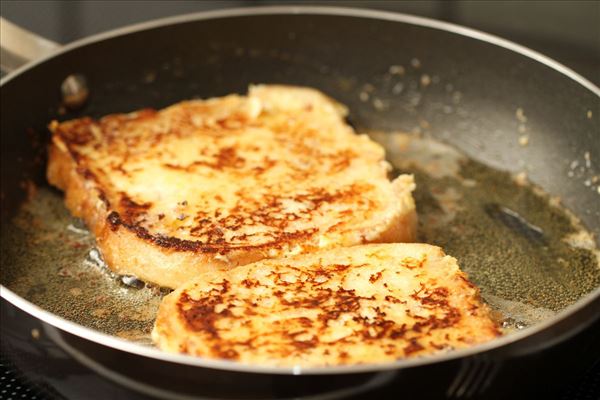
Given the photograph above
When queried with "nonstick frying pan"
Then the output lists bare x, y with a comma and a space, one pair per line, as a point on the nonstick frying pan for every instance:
459, 86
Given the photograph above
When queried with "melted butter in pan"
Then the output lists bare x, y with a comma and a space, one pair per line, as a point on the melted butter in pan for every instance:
529, 257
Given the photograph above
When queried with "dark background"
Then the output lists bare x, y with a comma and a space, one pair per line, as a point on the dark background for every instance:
568, 31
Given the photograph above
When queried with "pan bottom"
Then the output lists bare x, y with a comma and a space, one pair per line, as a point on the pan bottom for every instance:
529, 257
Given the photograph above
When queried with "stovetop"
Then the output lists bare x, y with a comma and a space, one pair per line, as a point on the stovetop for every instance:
17, 385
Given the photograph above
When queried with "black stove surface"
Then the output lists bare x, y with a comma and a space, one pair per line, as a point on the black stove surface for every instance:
34, 366
17, 385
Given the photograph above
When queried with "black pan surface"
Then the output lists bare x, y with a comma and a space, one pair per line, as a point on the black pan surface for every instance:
477, 93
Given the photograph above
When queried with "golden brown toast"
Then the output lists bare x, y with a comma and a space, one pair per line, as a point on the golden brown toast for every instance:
209, 185
363, 304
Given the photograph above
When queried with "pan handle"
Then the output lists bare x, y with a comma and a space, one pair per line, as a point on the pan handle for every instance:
19, 46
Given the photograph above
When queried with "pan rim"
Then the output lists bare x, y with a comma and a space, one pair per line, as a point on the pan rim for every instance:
234, 366
316, 10
123, 345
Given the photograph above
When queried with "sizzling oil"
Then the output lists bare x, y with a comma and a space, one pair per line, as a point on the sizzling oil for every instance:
514, 241
505, 234
49, 258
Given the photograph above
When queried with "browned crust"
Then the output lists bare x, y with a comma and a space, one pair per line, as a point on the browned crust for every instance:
130, 248
80, 200
328, 308
122, 246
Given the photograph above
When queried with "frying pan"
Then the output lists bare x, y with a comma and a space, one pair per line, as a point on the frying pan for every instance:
492, 84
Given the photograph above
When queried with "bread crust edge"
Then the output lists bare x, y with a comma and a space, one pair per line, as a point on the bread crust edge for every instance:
126, 253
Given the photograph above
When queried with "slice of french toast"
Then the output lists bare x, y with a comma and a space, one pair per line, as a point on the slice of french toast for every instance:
364, 304
212, 184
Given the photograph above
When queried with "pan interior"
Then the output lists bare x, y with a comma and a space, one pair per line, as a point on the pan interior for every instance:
530, 257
